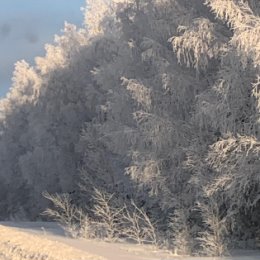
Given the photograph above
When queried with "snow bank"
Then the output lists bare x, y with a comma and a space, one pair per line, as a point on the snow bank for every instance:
46, 241
19, 245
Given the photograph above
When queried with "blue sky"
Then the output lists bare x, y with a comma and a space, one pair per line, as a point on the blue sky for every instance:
26, 25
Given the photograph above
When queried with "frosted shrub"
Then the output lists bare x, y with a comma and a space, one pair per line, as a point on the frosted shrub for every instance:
180, 239
115, 221
138, 226
72, 219
213, 240
87, 228
109, 216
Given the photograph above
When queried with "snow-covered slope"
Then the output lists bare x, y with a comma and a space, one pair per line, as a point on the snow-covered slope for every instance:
20, 245
46, 241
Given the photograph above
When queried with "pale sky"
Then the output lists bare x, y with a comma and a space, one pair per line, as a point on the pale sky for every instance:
26, 25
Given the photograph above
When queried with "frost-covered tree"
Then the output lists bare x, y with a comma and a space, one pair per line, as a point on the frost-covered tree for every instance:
230, 108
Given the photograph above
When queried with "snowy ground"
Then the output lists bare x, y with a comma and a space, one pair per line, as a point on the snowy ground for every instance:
46, 241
